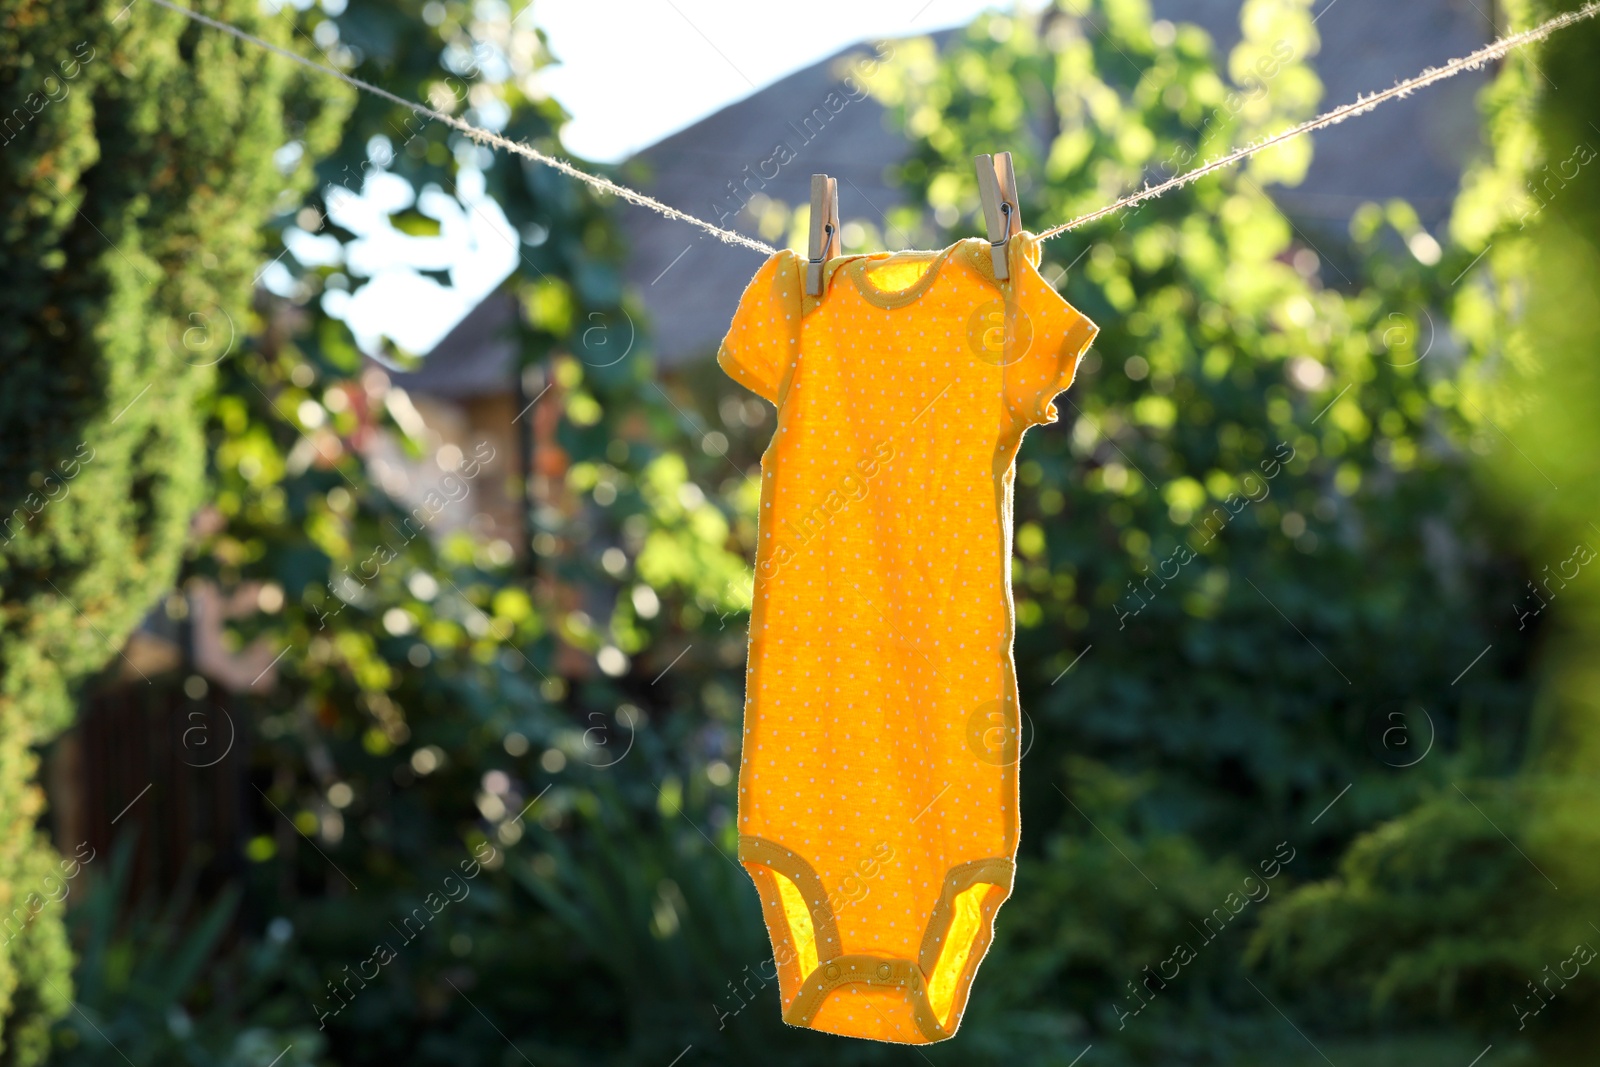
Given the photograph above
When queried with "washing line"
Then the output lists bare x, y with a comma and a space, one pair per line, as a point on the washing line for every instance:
1361, 105
483, 136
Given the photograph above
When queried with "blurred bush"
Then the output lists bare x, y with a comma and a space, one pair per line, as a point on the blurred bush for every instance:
1477, 905
138, 173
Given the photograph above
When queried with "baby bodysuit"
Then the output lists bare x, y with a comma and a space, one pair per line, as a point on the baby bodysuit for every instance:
878, 778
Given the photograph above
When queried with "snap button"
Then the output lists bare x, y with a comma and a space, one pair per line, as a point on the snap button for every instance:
884, 971
831, 971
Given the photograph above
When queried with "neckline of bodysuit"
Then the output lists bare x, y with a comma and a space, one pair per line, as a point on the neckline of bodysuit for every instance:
857, 269
895, 298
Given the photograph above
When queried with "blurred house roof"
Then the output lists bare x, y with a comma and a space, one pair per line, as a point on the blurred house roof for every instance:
477, 358
690, 283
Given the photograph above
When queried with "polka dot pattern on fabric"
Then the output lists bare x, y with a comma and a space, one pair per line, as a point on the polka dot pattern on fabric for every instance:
883, 620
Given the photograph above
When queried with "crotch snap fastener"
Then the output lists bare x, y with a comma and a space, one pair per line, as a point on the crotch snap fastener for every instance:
884, 971
831, 971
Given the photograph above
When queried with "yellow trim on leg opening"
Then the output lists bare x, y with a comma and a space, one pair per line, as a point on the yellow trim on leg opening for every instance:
965, 926
798, 915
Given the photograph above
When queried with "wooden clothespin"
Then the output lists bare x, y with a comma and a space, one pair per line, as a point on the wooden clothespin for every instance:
997, 188
825, 244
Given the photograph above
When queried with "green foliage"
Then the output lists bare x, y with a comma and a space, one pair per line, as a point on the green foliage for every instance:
1442, 909
37, 957
554, 736
1434, 913
150, 986
137, 175
449, 703
134, 205
664, 908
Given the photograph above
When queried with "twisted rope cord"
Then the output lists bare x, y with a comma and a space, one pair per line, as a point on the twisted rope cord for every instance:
1360, 106
483, 136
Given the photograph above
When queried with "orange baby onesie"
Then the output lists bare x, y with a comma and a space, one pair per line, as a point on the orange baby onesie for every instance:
878, 779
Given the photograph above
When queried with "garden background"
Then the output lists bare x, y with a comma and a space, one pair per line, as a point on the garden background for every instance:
507, 753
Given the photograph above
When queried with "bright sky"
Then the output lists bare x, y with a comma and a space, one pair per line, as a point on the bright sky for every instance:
661, 65
631, 72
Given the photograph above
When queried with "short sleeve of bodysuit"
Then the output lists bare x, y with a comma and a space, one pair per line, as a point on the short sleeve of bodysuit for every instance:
1048, 334
763, 343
